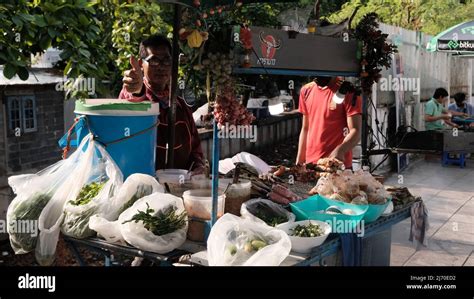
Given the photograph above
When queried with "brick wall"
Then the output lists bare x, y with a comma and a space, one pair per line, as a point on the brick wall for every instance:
33, 151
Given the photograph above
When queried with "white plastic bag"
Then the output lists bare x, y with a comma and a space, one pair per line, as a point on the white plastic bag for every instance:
89, 166
263, 210
228, 243
33, 192
103, 174
140, 237
135, 187
109, 230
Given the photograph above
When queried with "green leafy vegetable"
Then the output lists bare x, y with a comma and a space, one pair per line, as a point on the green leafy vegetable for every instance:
162, 223
307, 231
142, 191
271, 220
87, 193
27, 210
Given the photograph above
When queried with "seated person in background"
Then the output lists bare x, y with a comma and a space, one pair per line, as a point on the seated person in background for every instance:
435, 112
461, 106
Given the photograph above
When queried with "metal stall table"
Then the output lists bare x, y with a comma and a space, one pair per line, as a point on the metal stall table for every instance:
332, 245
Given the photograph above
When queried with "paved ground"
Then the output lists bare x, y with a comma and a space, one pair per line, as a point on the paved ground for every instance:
448, 192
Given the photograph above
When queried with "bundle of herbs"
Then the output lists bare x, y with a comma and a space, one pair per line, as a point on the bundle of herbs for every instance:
87, 193
80, 210
162, 223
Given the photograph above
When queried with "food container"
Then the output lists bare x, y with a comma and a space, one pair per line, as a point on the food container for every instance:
313, 208
196, 230
198, 203
201, 182
177, 180
235, 194
305, 244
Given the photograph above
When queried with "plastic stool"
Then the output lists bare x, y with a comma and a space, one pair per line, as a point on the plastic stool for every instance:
461, 161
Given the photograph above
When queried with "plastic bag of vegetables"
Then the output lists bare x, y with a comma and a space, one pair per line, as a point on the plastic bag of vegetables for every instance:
33, 192
266, 212
156, 223
234, 241
87, 188
98, 187
135, 187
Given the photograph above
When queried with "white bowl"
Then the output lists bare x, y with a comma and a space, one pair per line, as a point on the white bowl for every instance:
302, 244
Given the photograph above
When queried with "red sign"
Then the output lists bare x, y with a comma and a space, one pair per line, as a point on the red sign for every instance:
269, 45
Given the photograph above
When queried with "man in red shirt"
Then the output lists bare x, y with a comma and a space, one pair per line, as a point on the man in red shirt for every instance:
149, 80
331, 127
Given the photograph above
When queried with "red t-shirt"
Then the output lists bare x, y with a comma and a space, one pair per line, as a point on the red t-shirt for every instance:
327, 123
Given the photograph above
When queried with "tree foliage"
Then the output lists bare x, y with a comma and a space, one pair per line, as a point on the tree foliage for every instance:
30, 27
91, 35
97, 37
428, 16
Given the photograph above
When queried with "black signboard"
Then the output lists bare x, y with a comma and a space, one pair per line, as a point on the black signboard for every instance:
303, 54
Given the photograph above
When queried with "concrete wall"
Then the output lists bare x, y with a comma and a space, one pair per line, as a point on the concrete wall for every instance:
461, 74
270, 132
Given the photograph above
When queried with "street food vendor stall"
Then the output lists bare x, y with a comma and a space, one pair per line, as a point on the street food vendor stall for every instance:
258, 215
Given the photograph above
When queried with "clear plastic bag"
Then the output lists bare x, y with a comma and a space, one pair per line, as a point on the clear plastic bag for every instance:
234, 241
265, 212
33, 192
135, 187
96, 194
137, 235
91, 162
296, 18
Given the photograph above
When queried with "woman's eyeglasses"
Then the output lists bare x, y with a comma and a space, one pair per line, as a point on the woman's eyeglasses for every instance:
156, 61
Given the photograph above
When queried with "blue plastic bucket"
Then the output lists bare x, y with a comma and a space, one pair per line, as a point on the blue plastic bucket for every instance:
310, 209
128, 131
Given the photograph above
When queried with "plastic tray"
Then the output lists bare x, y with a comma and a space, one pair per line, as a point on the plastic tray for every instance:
311, 208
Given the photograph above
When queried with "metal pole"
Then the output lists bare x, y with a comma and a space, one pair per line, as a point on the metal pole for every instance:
215, 172
174, 87
364, 157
